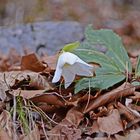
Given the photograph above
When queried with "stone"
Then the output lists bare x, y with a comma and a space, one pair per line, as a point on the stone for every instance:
48, 36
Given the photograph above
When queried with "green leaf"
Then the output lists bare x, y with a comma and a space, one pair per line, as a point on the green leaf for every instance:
114, 63
99, 82
97, 57
70, 47
113, 43
137, 71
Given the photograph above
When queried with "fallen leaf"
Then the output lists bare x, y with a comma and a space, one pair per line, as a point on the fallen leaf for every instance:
22, 79
88, 138
126, 112
111, 124
9, 61
50, 61
127, 103
135, 107
102, 138
119, 137
6, 124
122, 91
136, 96
39, 96
33, 135
31, 62
27, 94
4, 135
74, 116
102, 111
134, 135
64, 131
93, 129
67, 128
2, 106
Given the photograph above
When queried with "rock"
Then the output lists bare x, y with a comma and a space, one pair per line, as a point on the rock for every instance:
49, 36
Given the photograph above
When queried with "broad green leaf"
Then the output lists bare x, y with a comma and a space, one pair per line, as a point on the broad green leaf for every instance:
114, 63
97, 57
96, 47
86, 45
137, 71
99, 82
70, 47
113, 43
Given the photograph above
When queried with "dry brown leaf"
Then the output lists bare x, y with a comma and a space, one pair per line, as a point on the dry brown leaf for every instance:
127, 103
135, 107
134, 135
64, 131
33, 135
126, 112
50, 98
122, 91
74, 116
136, 96
2, 106
131, 119
102, 138
9, 61
50, 61
4, 135
93, 129
27, 94
49, 108
17, 79
6, 124
67, 128
119, 137
111, 124
37, 96
88, 138
31, 62
103, 111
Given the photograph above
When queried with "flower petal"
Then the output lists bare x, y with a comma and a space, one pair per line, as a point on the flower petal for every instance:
82, 69
68, 75
67, 58
82, 62
57, 75
64, 58
68, 66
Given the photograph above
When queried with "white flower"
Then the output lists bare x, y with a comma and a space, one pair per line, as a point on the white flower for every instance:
68, 66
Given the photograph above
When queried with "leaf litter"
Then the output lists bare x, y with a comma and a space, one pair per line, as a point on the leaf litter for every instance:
34, 108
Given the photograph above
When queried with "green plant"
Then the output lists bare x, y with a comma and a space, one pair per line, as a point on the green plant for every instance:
115, 65
22, 114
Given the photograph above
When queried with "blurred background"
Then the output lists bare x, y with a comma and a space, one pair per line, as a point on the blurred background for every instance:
123, 16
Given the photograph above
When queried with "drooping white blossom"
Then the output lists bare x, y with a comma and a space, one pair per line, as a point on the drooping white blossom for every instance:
69, 65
